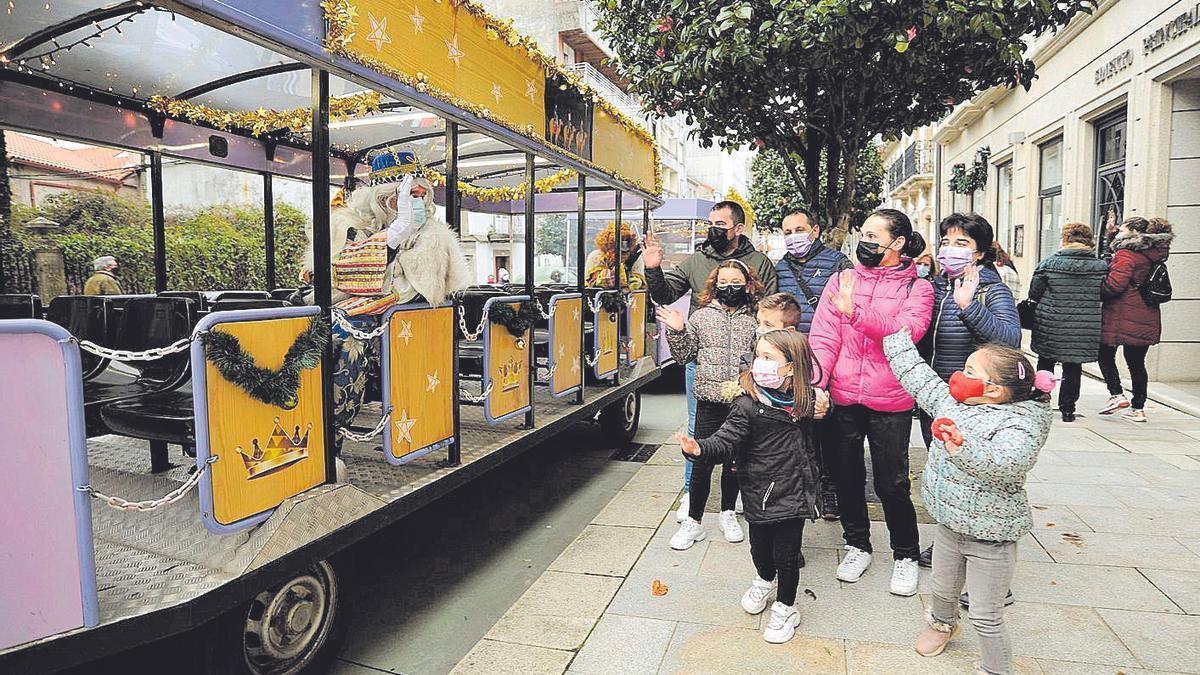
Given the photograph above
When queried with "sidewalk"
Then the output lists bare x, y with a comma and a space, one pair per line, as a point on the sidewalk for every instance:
1109, 580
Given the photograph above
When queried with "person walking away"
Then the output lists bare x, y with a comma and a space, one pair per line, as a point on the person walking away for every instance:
104, 280
769, 433
1127, 320
803, 271
725, 241
1007, 269
992, 419
714, 337
858, 308
1066, 287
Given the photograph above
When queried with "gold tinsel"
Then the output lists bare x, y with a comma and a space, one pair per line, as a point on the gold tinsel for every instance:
340, 17
503, 194
263, 121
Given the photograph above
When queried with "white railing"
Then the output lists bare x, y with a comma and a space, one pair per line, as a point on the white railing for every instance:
609, 90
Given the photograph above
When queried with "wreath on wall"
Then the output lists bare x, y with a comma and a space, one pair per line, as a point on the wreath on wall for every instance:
273, 387
518, 320
964, 180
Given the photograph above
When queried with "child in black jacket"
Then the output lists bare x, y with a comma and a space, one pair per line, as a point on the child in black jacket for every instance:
769, 433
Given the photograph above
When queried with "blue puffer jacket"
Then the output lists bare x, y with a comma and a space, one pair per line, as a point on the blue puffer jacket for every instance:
992, 317
822, 262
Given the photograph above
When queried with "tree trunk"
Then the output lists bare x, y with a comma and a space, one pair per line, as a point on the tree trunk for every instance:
833, 165
5, 215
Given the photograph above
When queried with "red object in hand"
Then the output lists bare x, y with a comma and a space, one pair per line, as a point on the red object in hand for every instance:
945, 430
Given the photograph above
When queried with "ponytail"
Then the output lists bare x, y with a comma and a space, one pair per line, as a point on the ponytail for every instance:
900, 226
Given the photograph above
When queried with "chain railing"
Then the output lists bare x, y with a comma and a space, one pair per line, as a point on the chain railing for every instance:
180, 345
344, 321
152, 504
481, 397
363, 438
462, 325
542, 310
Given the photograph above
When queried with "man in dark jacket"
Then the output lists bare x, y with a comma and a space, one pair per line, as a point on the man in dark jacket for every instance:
808, 263
1066, 288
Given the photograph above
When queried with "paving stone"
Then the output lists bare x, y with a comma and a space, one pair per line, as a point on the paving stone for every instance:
1166, 641
699, 649
1051, 457
668, 455
657, 478
557, 611
659, 555
1185, 462
1138, 521
1066, 438
1030, 550
1182, 587
636, 509
624, 644
874, 658
732, 563
1192, 545
1121, 550
603, 549
1051, 667
1088, 475
1123, 460
1088, 586
1123, 431
1165, 498
689, 598
872, 616
1068, 494
1173, 477
1056, 517
1152, 447
489, 657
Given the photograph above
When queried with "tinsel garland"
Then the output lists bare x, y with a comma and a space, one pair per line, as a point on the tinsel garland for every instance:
612, 302
273, 387
263, 121
503, 194
517, 321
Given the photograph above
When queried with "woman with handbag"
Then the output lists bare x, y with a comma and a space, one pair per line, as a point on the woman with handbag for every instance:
1064, 295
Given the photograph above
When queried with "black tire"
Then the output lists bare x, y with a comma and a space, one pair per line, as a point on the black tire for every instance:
620, 420
254, 639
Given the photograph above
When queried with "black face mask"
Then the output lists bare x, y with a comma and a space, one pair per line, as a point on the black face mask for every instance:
869, 253
717, 238
731, 296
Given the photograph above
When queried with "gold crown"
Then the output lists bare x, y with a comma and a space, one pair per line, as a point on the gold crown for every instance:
282, 450
510, 374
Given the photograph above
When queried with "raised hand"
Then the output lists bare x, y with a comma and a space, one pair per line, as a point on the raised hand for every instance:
821, 404
965, 287
652, 252
673, 318
688, 444
843, 300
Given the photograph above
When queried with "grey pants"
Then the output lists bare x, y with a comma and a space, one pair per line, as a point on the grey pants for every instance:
986, 568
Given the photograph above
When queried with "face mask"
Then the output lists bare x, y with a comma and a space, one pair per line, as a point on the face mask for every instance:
955, 259
869, 253
760, 331
922, 270
766, 373
418, 211
731, 296
717, 238
963, 387
799, 244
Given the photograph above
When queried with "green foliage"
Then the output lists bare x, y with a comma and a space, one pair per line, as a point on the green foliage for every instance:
773, 191
966, 181
550, 235
808, 78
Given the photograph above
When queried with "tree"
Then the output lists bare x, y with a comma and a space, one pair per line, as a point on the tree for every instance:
813, 78
773, 190
6, 243
551, 235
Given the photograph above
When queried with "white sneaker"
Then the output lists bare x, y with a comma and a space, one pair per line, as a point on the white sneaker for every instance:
904, 577
1135, 415
689, 533
681, 515
737, 506
730, 527
1114, 404
754, 600
853, 565
782, 624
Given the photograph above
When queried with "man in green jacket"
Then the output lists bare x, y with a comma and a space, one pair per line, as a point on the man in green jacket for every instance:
104, 281
725, 241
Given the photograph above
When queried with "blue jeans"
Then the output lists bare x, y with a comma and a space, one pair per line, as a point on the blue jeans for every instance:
689, 375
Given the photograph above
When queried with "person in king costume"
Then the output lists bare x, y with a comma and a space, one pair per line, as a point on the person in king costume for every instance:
599, 264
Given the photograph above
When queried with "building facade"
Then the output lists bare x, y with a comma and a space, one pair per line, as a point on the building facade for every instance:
1110, 128
909, 162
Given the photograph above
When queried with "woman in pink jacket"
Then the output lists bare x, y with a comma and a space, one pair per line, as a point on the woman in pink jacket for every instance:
861, 306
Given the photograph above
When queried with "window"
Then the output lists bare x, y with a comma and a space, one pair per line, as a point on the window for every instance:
1050, 198
1110, 172
1004, 178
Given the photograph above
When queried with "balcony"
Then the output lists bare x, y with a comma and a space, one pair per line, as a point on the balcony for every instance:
579, 33
609, 90
912, 170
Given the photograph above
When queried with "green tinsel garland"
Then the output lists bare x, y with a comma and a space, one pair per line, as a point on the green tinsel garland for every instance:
517, 321
612, 302
273, 387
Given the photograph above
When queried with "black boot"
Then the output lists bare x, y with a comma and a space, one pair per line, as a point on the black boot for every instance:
926, 559
829, 503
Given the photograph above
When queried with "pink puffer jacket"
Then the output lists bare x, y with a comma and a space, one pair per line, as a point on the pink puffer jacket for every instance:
850, 351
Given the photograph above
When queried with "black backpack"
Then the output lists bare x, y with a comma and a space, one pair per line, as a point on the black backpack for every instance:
1156, 289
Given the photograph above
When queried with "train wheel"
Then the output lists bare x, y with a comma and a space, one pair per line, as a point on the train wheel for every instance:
620, 420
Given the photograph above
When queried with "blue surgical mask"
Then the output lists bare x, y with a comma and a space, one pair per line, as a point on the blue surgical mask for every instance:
922, 270
418, 211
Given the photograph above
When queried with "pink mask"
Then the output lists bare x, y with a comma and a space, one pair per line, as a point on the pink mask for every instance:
766, 373
955, 259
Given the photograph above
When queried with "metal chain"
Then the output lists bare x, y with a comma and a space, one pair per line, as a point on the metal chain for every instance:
150, 505
344, 321
593, 361
363, 438
550, 373
180, 345
462, 325
542, 310
480, 398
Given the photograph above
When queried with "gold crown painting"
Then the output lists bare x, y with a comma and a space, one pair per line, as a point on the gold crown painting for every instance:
281, 450
510, 374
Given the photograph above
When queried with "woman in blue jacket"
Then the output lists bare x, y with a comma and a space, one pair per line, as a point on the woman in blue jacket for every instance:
971, 304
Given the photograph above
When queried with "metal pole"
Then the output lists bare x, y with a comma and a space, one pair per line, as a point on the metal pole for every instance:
454, 219
322, 274
618, 263
529, 229
645, 229
158, 222
580, 262
269, 228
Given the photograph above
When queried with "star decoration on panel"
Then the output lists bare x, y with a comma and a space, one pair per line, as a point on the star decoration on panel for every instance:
531, 91
378, 35
433, 381
575, 313
405, 331
497, 93
453, 52
404, 427
418, 21
574, 365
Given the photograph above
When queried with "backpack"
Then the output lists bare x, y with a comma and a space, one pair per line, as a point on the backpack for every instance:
1156, 289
